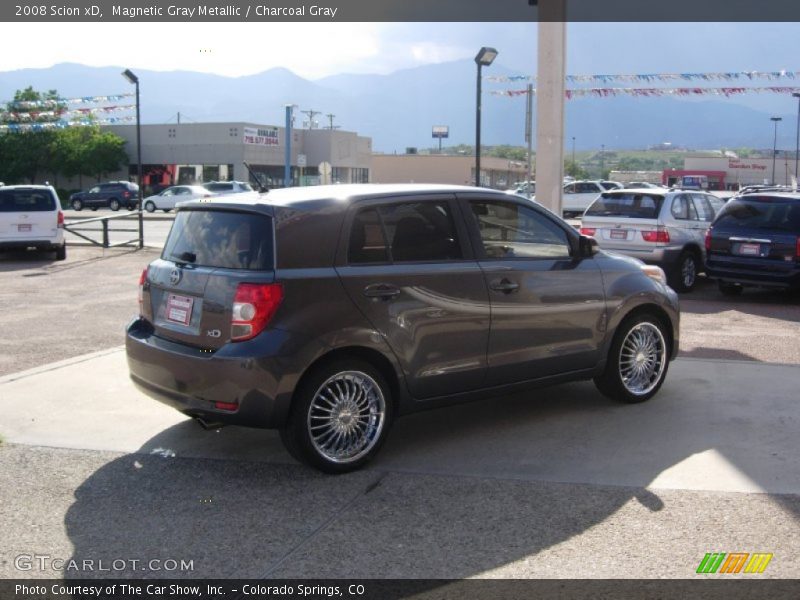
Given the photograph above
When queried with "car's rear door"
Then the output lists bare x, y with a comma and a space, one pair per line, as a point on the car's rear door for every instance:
757, 234
410, 270
27, 214
190, 289
548, 305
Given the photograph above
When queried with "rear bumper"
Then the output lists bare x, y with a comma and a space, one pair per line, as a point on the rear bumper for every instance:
663, 256
256, 375
783, 279
48, 244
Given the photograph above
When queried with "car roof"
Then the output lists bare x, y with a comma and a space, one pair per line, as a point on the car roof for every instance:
23, 186
342, 195
769, 194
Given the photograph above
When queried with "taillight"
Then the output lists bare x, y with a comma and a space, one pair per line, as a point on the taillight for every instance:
708, 239
226, 405
126, 194
253, 307
60, 223
590, 231
797, 249
142, 281
659, 236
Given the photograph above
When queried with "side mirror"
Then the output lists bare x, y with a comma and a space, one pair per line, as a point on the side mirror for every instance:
588, 246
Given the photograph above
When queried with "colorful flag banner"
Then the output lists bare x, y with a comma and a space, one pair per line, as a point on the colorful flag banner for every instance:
656, 77
652, 92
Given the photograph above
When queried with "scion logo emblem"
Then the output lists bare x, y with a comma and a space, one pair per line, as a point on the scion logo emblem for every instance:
174, 276
214, 333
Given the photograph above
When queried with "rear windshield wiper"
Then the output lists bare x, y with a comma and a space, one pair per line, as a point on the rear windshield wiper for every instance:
185, 257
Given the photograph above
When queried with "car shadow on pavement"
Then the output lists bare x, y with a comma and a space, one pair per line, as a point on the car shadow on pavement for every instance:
457, 492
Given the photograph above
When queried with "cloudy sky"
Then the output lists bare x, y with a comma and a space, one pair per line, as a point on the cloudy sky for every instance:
314, 50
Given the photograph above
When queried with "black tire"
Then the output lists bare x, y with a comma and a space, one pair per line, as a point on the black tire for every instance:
684, 274
113, 204
150, 206
77, 205
611, 383
729, 289
166, 210
357, 377
61, 252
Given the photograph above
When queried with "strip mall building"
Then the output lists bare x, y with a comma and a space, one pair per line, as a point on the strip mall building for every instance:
728, 173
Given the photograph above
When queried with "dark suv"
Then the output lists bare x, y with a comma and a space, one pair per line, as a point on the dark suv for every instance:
113, 195
328, 311
755, 241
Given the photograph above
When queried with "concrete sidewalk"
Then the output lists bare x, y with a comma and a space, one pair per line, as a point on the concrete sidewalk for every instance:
715, 425
560, 483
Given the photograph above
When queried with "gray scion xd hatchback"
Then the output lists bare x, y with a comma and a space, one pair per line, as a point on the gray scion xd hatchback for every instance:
326, 312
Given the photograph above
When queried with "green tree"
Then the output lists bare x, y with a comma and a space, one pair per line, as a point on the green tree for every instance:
104, 153
29, 151
573, 169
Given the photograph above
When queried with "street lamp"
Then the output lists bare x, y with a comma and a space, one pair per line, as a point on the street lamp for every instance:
602, 160
774, 145
797, 144
484, 58
128, 74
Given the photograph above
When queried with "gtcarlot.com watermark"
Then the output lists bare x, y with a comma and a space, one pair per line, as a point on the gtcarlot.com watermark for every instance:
45, 562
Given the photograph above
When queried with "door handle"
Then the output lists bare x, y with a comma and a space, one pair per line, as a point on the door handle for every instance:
504, 285
382, 291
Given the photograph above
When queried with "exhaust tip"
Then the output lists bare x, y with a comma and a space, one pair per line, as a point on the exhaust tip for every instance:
209, 425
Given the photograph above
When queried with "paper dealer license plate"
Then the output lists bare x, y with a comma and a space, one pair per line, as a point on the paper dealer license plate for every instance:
179, 309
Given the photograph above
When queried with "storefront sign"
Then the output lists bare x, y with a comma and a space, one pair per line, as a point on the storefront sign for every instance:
262, 136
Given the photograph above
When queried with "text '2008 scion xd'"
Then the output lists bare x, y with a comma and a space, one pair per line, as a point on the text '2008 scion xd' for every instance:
326, 312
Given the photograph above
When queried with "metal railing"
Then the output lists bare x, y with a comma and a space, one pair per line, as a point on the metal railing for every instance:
74, 227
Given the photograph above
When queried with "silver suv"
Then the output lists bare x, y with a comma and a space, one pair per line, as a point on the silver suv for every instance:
662, 227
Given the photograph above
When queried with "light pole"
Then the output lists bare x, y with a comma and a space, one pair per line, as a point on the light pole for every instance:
797, 144
128, 74
287, 165
774, 145
484, 58
602, 159
574, 166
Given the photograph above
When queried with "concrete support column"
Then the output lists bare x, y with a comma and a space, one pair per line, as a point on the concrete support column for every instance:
550, 74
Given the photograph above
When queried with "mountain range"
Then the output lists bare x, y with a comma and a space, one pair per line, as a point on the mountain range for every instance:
398, 110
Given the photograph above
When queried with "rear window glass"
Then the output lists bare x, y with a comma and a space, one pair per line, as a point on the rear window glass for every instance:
759, 212
218, 187
26, 201
633, 206
222, 239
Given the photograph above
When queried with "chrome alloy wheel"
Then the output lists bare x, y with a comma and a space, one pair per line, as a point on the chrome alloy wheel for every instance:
642, 359
346, 416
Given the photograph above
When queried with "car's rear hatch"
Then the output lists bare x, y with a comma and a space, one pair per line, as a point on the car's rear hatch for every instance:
625, 221
27, 214
756, 233
190, 290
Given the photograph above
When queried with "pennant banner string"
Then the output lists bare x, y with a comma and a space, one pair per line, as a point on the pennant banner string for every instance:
653, 92
654, 77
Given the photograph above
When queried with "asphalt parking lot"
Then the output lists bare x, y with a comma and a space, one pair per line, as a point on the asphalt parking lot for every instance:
559, 483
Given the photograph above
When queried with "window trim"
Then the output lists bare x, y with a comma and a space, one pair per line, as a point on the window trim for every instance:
475, 233
461, 231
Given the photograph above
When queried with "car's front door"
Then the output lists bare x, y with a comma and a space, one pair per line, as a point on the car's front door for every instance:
548, 304
410, 270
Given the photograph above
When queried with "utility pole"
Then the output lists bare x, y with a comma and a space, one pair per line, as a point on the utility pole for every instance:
179, 118
311, 114
529, 134
330, 120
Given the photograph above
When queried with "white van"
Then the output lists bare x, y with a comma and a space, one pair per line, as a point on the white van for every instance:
31, 217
